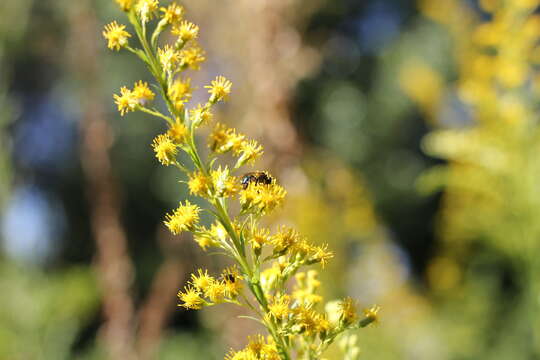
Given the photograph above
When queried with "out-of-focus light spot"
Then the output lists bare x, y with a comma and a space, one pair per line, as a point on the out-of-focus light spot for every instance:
44, 138
31, 225
343, 109
378, 26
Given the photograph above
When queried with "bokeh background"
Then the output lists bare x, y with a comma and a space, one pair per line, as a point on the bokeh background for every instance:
405, 131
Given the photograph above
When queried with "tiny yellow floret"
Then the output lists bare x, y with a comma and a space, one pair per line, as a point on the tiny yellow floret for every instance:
219, 89
186, 31
202, 281
165, 149
184, 218
192, 57
116, 35
199, 184
191, 298
147, 9
142, 93
126, 101
125, 5
173, 13
178, 132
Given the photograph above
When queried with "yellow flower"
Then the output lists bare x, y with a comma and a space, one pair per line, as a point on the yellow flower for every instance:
259, 237
180, 92
147, 9
224, 184
205, 241
371, 316
306, 320
199, 184
279, 307
223, 139
257, 348
215, 292
178, 132
232, 282
125, 5
322, 255
192, 57
173, 13
191, 298
270, 276
202, 281
165, 149
186, 31
250, 151
200, 115
347, 311
262, 198
126, 101
168, 57
219, 89
184, 218
116, 35
285, 238
142, 93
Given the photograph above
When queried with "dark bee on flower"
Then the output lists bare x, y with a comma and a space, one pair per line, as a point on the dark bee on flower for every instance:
257, 178
229, 278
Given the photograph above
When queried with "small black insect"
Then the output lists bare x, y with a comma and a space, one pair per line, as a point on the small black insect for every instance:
256, 177
229, 278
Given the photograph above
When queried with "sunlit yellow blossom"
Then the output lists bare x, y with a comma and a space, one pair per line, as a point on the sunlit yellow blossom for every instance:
186, 31
192, 57
224, 184
306, 320
250, 151
259, 237
232, 282
191, 298
216, 292
180, 92
168, 57
262, 198
270, 276
206, 239
178, 132
260, 349
223, 139
199, 184
165, 149
125, 102
183, 218
279, 307
146, 9
347, 311
285, 238
219, 89
201, 281
173, 13
218, 232
321, 255
116, 36
371, 315
125, 5
142, 93
200, 114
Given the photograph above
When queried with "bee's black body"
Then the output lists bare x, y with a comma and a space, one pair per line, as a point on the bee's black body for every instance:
257, 177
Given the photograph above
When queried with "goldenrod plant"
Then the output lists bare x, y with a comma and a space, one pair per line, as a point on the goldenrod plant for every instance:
236, 198
491, 179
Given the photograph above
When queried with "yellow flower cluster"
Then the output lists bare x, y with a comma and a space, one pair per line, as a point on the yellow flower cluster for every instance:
257, 348
265, 261
225, 289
